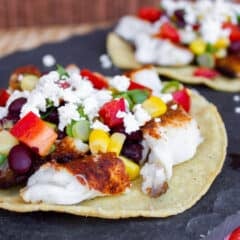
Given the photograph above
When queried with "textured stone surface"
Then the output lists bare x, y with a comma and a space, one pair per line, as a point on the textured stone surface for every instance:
212, 209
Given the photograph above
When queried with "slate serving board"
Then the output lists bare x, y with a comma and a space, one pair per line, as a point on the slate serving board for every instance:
213, 217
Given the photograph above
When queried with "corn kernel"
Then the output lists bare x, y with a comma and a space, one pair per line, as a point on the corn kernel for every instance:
98, 141
132, 169
222, 43
154, 106
198, 46
116, 143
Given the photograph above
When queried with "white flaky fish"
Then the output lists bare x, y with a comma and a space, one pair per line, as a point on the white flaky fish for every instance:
172, 139
77, 180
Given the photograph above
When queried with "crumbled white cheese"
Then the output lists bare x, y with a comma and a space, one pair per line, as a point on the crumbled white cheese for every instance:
187, 35
105, 61
20, 77
48, 60
237, 110
67, 113
99, 125
157, 120
3, 112
120, 83
129, 121
174, 107
166, 97
129, 27
236, 98
91, 107
148, 77
141, 115
151, 50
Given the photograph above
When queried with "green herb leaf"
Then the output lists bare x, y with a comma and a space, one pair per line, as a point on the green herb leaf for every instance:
125, 96
138, 96
61, 71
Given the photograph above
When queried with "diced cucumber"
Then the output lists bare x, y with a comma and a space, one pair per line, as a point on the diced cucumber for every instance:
206, 60
69, 130
28, 82
171, 87
7, 141
81, 130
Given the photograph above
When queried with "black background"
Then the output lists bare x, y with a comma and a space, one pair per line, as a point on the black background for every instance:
215, 214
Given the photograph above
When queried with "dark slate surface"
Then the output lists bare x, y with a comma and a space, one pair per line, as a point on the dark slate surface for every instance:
214, 215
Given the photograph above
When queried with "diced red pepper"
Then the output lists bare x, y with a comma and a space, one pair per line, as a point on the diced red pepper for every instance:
134, 85
4, 95
234, 31
28, 69
109, 110
168, 31
205, 72
96, 79
150, 14
35, 133
182, 98
235, 235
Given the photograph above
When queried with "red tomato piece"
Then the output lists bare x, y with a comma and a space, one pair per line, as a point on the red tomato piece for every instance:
182, 98
4, 95
109, 110
35, 133
150, 14
134, 85
205, 72
235, 235
96, 79
28, 69
168, 31
234, 31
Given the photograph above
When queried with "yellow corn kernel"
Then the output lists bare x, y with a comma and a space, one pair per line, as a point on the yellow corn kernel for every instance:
198, 46
98, 141
154, 106
116, 143
221, 43
132, 169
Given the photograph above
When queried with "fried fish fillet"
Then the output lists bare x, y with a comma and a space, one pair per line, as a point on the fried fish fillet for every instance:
172, 139
78, 180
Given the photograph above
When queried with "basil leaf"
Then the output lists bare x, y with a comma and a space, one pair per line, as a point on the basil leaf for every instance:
138, 96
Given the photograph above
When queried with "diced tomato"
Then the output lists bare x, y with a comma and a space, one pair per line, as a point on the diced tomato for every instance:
150, 14
96, 79
234, 31
4, 95
28, 69
109, 110
205, 72
168, 31
182, 98
134, 85
235, 235
35, 133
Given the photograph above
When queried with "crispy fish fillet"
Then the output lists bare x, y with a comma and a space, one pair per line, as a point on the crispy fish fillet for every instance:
172, 140
78, 180
68, 149
229, 66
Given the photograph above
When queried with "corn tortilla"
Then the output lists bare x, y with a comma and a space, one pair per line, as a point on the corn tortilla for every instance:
189, 183
122, 55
